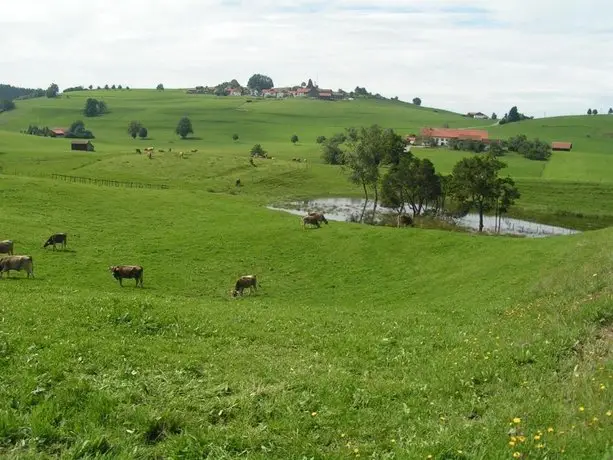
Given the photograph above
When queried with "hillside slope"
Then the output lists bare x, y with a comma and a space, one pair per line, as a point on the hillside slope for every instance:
372, 341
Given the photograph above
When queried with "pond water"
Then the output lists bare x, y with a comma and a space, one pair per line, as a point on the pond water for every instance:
342, 209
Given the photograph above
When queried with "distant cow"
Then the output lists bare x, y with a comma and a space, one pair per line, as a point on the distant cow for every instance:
138, 151
194, 150
127, 271
57, 238
244, 282
6, 247
314, 218
17, 263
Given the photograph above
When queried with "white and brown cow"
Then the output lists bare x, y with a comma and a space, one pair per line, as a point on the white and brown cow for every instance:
244, 282
6, 247
17, 263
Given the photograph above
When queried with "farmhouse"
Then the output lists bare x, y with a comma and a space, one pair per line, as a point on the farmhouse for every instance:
442, 136
562, 146
81, 144
58, 132
477, 115
234, 91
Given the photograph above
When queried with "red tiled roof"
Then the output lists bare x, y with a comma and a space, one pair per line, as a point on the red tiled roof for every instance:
561, 145
325, 94
446, 133
58, 131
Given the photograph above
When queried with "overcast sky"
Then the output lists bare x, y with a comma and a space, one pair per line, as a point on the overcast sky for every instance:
545, 56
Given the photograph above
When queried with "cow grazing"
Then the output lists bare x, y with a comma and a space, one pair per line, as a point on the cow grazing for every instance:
17, 263
238, 182
127, 271
244, 282
57, 238
314, 218
194, 150
138, 151
6, 247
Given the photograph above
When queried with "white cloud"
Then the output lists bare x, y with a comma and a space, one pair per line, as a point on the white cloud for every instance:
542, 55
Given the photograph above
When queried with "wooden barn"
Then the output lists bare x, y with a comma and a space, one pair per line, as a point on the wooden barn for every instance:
562, 146
82, 144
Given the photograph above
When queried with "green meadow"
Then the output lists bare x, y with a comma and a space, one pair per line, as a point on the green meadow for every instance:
361, 342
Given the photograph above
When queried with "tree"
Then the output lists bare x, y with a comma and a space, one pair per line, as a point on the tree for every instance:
367, 149
494, 116
91, 107
134, 128
320, 139
496, 149
332, 153
52, 91
417, 101
535, 150
119, 87
303, 84
257, 151
113, 87
184, 127
610, 110
106, 86
475, 183
260, 82
142, 132
6, 105
594, 112
506, 195
235, 137
294, 139
91, 87
310, 84
589, 111
77, 129
102, 107
160, 87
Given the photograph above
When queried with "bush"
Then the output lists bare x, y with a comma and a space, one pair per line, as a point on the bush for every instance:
321, 139
294, 139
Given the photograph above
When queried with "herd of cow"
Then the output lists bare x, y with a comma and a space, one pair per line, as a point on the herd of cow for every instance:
121, 272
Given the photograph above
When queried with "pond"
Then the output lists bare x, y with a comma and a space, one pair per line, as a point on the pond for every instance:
342, 210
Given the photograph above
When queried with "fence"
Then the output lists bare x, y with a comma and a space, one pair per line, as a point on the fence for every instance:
106, 182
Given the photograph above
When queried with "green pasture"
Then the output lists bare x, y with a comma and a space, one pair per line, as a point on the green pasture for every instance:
361, 342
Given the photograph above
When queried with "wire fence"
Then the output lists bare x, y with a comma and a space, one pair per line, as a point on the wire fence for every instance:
107, 182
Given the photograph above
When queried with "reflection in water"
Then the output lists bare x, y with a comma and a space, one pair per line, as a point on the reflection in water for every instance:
342, 209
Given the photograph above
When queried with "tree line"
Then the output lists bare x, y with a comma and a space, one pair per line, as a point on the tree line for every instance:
376, 160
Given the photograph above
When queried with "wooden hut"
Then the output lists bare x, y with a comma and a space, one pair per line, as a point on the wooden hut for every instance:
82, 144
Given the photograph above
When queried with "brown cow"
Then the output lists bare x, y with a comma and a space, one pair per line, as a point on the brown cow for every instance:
314, 218
247, 281
6, 247
17, 263
127, 271
57, 238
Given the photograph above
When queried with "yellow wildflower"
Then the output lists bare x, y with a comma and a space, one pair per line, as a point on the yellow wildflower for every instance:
602, 387
511, 443
521, 438
537, 437
550, 430
609, 413
356, 450
313, 414
539, 446
429, 457
513, 438
517, 420
516, 454
595, 419
581, 408
343, 435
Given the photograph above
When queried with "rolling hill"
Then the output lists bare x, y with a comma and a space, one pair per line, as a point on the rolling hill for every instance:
361, 342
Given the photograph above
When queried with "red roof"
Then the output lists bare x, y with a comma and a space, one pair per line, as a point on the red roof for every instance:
302, 90
561, 145
446, 133
59, 131
325, 94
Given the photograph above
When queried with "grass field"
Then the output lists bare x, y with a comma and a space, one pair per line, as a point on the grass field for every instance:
362, 342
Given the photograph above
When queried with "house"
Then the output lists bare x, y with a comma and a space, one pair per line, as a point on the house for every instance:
477, 115
562, 146
302, 92
442, 136
58, 132
82, 144
234, 91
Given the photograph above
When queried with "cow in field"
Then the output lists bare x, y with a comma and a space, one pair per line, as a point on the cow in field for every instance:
127, 271
244, 282
6, 247
17, 263
314, 218
57, 238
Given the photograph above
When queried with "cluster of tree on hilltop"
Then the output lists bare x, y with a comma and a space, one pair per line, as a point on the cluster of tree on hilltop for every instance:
513, 116
595, 111
11, 93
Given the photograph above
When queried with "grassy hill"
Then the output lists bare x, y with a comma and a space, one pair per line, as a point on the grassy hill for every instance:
362, 341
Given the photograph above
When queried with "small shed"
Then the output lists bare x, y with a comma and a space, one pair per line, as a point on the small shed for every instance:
82, 144
562, 146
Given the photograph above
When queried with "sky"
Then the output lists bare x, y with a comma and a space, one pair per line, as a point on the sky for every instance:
547, 57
